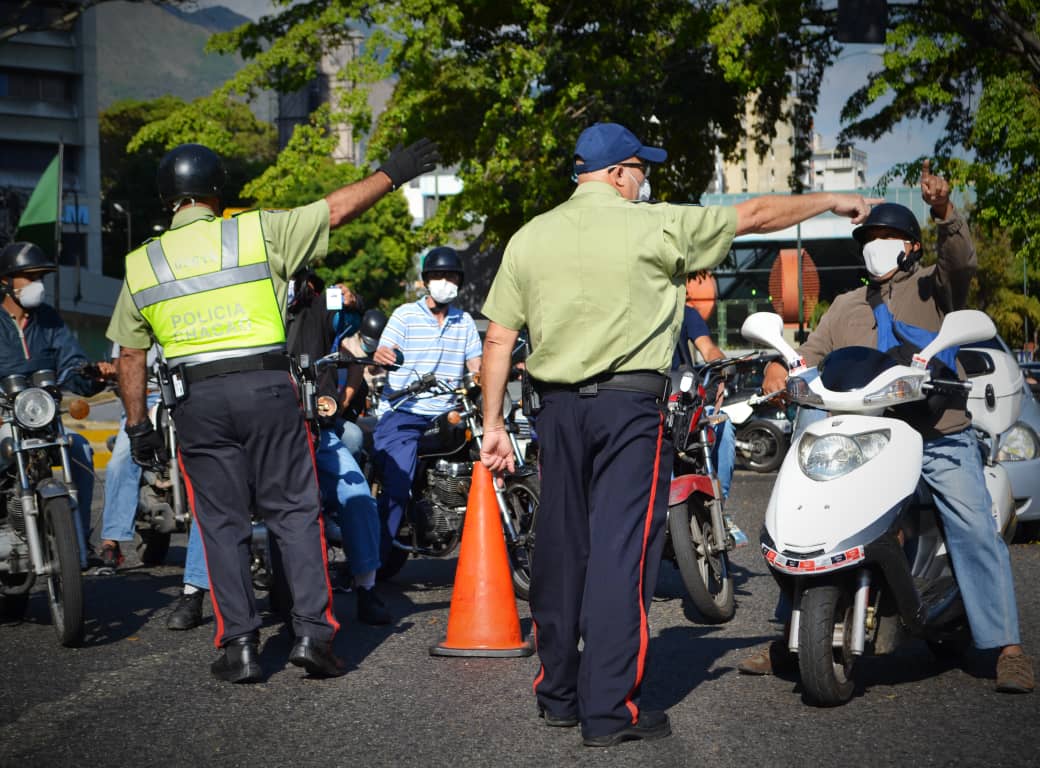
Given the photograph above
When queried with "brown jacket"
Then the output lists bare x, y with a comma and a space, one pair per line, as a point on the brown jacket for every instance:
922, 298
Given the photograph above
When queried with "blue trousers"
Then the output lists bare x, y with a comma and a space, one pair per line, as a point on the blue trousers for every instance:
345, 494
396, 442
605, 464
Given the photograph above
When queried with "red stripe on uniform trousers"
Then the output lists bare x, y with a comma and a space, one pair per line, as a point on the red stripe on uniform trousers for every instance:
541, 667
330, 615
644, 638
212, 592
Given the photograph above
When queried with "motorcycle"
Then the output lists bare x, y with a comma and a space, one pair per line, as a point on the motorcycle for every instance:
162, 508
37, 531
851, 531
763, 431
432, 524
698, 541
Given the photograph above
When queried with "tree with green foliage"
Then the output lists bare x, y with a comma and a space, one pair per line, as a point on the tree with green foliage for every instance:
977, 66
506, 88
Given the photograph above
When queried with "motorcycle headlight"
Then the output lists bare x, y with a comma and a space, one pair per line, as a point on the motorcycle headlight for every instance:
34, 408
829, 457
902, 390
1019, 443
798, 390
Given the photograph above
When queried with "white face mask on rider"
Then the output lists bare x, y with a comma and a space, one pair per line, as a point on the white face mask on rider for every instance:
443, 291
31, 295
882, 256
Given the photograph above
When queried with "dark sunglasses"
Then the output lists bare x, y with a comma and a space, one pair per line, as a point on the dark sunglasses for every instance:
644, 167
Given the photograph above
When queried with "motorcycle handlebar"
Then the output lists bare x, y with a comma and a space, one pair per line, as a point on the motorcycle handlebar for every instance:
949, 386
424, 382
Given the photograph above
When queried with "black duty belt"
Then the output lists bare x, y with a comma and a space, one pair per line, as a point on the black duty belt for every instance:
649, 382
267, 361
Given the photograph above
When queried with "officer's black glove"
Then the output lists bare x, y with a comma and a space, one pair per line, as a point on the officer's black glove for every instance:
147, 446
404, 164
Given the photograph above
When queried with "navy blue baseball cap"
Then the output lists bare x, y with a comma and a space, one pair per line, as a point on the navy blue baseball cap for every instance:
605, 144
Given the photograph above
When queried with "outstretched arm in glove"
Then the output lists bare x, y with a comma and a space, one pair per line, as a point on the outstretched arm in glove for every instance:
146, 445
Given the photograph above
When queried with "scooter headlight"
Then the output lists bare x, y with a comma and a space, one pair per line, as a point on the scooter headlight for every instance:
829, 457
798, 390
34, 408
1019, 443
902, 390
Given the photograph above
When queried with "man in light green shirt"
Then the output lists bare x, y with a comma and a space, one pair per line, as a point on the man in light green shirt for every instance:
599, 281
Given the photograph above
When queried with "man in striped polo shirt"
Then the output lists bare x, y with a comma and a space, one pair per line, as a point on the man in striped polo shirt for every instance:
434, 337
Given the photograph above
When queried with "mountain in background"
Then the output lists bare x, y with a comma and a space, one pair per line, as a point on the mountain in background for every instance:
145, 51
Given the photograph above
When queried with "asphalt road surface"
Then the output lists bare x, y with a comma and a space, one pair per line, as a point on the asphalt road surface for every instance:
138, 694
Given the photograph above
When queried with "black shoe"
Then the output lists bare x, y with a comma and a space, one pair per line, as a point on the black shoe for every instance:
316, 657
240, 661
370, 607
188, 613
651, 725
557, 722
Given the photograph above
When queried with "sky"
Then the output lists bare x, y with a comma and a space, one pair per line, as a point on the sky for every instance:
910, 139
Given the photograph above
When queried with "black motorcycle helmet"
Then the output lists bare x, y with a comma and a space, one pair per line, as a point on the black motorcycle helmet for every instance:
443, 259
24, 257
372, 324
190, 170
889, 216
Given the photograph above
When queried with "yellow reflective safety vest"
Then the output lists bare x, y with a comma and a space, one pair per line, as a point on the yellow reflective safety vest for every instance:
206, 287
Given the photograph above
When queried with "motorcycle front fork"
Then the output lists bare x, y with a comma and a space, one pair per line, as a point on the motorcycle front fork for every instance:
860, 605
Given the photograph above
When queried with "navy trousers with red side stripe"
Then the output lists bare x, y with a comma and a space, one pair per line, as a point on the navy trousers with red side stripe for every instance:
242, 441
605, 466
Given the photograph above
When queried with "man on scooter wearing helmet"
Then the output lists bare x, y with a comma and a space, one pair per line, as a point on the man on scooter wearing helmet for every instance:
434, 337
899, 311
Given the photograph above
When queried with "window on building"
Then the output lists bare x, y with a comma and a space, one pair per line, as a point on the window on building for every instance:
28, 85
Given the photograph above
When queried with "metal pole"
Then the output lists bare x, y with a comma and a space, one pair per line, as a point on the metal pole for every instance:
57, 225
801, 300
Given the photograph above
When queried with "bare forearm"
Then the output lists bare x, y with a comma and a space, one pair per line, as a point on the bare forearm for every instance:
351, 201
497, 361
770, 213
133, 383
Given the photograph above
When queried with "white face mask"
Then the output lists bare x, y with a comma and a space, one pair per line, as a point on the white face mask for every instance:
882, 256
30, 296
443, 291
643, 194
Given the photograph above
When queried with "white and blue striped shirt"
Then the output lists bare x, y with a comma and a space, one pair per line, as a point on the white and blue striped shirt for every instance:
429, 347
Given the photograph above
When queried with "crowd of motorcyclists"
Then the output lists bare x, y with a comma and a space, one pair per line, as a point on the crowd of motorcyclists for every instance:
359, 429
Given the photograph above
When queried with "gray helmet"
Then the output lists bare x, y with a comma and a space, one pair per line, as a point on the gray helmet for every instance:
190, 170
889, 216
24, 257
372, 324
443, 259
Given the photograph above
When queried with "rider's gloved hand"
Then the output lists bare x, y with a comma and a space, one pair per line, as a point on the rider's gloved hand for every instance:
404, 164
146, 445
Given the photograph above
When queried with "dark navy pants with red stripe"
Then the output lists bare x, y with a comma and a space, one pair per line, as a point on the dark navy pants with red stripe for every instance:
605, 465
242, 441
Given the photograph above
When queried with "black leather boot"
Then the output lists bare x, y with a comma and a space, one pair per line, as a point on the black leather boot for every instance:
240, 660
316, 657
188, 613
370, 607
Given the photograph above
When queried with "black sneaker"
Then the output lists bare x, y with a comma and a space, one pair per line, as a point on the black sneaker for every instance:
188, 612
370, 607
651, 725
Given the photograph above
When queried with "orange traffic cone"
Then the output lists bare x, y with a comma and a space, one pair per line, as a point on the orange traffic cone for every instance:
482, 620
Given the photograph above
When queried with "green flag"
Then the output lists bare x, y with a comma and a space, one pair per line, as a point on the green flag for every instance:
37, 222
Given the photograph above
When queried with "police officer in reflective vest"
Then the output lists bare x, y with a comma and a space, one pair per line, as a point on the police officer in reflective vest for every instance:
212, 292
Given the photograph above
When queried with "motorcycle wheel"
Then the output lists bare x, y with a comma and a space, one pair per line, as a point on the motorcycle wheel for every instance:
65, 582
152, 546
767, 441
522, 495
707, 579
824, 659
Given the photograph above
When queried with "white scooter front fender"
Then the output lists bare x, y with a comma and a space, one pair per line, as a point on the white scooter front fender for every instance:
814, 519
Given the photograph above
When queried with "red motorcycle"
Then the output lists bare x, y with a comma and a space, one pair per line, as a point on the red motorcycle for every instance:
698, 540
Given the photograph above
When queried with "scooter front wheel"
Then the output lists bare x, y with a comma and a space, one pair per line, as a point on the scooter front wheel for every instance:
703, 567
825, 660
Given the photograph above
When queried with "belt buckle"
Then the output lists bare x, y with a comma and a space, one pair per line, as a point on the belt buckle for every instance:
589, 390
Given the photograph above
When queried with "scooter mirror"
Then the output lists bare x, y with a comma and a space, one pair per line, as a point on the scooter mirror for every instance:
767, 328
961, 327
686, 382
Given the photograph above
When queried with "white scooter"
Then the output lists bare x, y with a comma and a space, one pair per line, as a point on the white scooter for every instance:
851, 532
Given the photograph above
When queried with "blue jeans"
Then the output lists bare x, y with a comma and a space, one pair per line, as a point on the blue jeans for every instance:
345, 493
725, 454
81, 456
195, 572
122, 481
352, 437
396, 442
